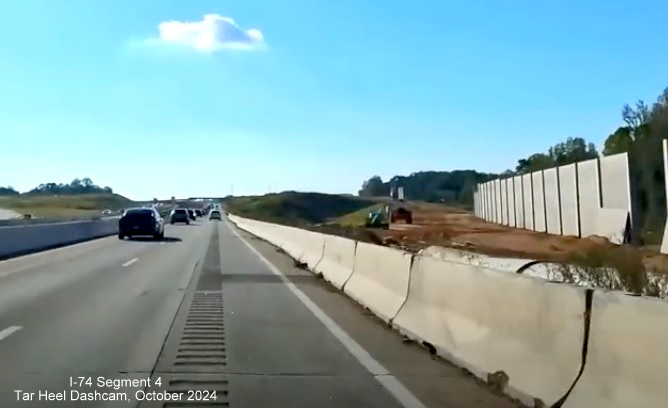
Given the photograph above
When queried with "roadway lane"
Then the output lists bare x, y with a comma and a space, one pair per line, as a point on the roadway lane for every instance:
102, 308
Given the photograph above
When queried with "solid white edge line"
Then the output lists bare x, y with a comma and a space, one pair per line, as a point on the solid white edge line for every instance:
9, 331
406, 398
130, 262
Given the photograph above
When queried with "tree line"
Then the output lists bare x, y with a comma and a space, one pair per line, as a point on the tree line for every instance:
644, 127
77, 186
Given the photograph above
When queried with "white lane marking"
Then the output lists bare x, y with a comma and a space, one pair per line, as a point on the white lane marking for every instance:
9, 331
130, 262
406, 398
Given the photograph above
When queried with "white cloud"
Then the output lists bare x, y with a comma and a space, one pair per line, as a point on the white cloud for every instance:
213, 33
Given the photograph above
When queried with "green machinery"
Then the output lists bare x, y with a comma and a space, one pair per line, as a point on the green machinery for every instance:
377, 219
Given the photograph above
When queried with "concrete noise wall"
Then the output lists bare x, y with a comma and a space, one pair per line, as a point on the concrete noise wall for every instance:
527, 201
484, 199
539, 223
552, 201
614, 216
519, 202
476, 210
475, 203
512, 210
568, 191
504, 202
490, 202
589, 196
592, 197
615, 184
498, 206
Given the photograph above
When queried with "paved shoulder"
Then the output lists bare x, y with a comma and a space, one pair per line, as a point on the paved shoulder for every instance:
315, 330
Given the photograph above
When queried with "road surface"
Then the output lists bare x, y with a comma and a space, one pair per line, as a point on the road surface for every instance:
208, 313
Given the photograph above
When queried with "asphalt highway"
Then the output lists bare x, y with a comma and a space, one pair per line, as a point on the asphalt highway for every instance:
207, 317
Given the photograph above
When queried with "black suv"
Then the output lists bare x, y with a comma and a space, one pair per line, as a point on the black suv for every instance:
141, 221
179, 215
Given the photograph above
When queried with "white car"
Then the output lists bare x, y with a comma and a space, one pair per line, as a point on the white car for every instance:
215, 215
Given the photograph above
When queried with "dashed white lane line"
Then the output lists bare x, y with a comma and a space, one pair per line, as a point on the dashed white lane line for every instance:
9, 331
130, 262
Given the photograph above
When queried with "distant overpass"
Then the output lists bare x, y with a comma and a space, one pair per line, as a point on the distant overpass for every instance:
181, 200
206, 198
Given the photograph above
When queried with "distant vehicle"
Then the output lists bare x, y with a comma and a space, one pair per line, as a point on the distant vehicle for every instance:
179, 215
141, 221
191, 214
106, 212
215, 215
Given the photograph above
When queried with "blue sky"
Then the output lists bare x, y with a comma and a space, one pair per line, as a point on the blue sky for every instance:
336, 91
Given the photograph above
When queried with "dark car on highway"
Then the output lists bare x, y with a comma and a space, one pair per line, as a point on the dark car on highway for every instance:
179, 215
192, 215
141, 222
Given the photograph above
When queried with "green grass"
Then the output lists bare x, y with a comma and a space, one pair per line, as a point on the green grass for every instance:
65, 206
296, 208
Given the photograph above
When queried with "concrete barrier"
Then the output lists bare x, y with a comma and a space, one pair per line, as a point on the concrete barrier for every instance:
338, 261
264, 230
627, 362
22, 240
19, 222
511, 265
380, 279
303, 245
487, 322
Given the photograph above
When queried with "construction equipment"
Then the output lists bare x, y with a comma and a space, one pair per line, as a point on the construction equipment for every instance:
397, 210
377, 219
401, 213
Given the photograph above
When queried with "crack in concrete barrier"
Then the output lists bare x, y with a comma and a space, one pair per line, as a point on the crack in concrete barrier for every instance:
589, 297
